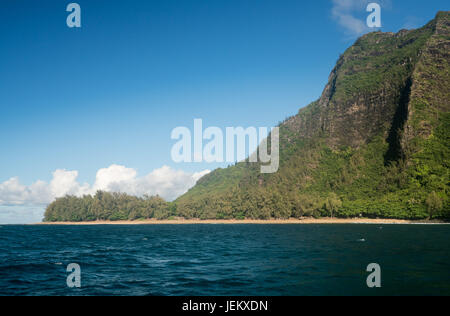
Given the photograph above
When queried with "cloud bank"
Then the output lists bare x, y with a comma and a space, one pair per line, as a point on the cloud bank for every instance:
165, 181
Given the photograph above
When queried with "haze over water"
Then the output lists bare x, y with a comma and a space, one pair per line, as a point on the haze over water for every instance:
225, 259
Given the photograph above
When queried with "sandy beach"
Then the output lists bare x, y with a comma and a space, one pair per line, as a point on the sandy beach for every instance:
249, 221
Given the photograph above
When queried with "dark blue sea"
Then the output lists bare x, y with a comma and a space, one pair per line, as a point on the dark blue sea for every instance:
225, 259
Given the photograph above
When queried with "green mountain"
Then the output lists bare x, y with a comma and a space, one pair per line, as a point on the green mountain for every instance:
375, 144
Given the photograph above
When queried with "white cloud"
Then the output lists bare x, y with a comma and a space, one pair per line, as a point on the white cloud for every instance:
342, 12
65, 182
114, 176
345, 11
165, 181
14, 193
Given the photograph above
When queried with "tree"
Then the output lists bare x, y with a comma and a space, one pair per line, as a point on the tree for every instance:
332, 204
434, 204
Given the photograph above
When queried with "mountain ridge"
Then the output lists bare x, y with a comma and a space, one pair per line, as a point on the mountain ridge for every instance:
364, 99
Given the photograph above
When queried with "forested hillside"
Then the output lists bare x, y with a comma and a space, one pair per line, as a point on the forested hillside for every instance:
375, 144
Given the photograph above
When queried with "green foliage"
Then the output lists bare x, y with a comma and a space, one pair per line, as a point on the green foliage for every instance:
332, 204
107, 206
434, 204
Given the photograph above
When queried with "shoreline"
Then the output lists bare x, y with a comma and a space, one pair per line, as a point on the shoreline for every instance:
249, 221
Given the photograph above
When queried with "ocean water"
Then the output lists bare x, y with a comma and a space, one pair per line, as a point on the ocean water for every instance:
225, 259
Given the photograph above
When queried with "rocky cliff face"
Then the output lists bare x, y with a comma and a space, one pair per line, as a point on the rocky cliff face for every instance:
430, 92
381, 123
369, 90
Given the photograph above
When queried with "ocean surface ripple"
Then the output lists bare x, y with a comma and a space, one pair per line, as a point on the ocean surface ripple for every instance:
225, 259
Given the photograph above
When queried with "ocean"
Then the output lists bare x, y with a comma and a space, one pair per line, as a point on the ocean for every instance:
237, 260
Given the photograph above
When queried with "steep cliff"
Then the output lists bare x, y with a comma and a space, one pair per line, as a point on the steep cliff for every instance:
376, 143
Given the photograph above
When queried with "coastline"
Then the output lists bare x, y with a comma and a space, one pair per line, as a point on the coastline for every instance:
249, 221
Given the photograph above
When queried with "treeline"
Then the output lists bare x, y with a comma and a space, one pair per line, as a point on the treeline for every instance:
108, 207
268, 203
258, 203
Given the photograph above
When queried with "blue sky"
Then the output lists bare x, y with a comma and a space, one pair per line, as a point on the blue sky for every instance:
110, 92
